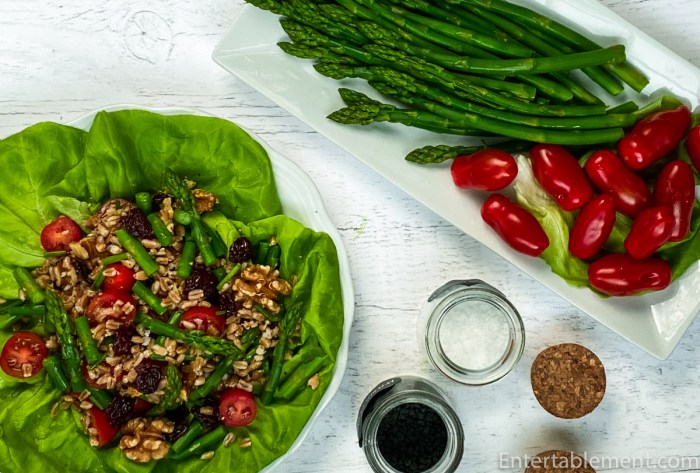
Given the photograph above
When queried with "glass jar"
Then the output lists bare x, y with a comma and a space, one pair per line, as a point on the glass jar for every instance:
430, 431
470, 332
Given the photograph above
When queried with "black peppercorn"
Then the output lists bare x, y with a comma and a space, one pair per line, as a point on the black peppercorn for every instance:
412, 437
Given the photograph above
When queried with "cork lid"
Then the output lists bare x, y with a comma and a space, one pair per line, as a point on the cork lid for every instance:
558, 461
568, 380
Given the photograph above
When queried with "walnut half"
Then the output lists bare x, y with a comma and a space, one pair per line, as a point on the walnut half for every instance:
143, 439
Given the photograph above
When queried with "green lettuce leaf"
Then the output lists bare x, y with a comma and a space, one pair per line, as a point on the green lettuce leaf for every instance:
557, 224
58, 169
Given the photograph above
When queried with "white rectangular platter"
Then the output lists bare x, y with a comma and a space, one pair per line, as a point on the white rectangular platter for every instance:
654, 322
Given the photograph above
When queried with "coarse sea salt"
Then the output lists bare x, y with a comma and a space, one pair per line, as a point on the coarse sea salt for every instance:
471, 332
474, 336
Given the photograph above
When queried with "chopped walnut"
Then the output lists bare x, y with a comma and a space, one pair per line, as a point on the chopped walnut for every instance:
143, 439
203, 201
260, 285
314, 381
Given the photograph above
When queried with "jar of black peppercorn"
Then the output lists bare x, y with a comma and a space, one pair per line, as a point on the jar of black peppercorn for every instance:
405, 425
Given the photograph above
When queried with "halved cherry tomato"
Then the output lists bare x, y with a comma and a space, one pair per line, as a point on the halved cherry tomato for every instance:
204, 319
675, 187
105, 431
23, 355
237, 407
592, 227
560, 174
654, 137
610, 175
122, 303
57, 235
650, 229
486, 170
692, 144
515, 225
119, 278
621, 275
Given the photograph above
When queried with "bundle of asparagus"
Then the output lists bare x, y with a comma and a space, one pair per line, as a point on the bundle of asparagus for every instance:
464, 67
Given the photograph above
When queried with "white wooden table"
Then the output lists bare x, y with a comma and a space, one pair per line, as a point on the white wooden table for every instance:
60, 59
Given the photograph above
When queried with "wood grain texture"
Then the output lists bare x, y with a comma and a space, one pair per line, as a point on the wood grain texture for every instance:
59, 60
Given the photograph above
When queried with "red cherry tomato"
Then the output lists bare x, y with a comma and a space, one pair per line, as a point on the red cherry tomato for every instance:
675, 187
204, 319
57, 235
650, 229
592, 227
141, 406
237, 407
560, 174
122, 305
621, 275
105, 431
693, 146
654, 137
120, 278
515, 225
23, 355
610, 175
486, 170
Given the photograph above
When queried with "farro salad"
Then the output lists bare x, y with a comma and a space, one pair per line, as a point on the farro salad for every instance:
148, 330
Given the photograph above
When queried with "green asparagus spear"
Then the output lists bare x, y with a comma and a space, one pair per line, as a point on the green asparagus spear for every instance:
143, 202
114, 259
203, 444
172, 392
460, 118
415, 87
100, 397
181, 192
53, 367
147, 296
69, 351
186, 262
299, 378
93, 356
291, 318
31, 288
625, 71
160, 230
433, 154
195, 430
137, 251
193, 338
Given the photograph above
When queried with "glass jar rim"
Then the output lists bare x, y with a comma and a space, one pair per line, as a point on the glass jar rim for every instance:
451, 457
457, 293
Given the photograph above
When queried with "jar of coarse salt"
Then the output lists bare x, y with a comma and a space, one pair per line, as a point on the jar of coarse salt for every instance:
470, 332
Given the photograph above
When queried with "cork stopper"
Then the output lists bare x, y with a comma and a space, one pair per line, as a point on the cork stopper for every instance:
568, 380
558, 461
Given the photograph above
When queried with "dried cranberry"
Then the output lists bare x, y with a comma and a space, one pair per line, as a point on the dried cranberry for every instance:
228, 303
148, 376
158, 199
120, 410
179, 417
202, 279
208, 421
122, 341
241, 250
178, 431
136, 223
82, 268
